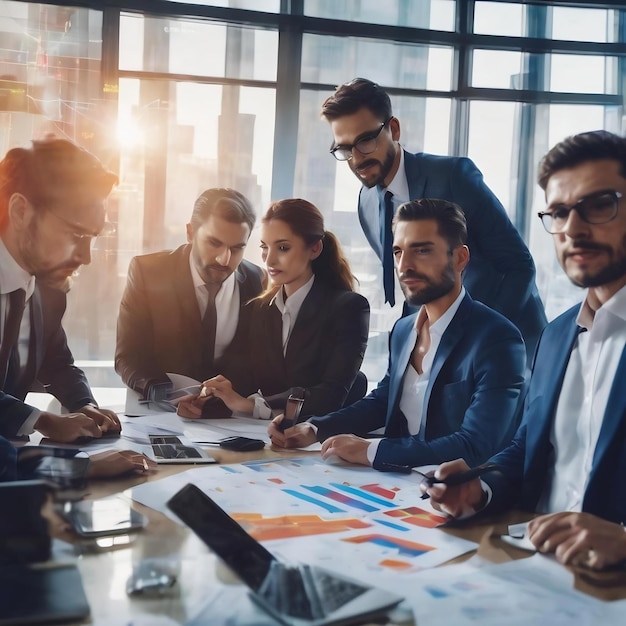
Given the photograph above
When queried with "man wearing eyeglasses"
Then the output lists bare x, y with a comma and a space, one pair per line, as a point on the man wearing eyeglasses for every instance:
501, 273
52, 206
568, 458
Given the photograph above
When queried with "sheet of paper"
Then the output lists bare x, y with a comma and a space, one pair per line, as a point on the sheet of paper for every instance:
356, 514
536, 590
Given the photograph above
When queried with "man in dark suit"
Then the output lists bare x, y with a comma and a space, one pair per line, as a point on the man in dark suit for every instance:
568, 458
52, 206
456, 368
163, 323
501, 272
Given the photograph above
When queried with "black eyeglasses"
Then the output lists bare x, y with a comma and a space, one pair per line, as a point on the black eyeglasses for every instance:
597, 208
366, 145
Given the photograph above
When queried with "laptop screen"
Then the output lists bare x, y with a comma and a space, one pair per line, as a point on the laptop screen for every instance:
243, 554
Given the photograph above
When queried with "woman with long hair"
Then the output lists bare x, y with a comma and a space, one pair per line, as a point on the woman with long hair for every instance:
307, 333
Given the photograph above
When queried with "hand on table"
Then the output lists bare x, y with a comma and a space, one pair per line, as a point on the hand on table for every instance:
114, 463
579, 539
350, 448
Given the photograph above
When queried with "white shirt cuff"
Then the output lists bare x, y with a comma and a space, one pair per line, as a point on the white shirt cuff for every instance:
28, 426
262, 410
372, 449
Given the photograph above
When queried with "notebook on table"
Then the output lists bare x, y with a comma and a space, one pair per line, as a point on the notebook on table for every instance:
296, 594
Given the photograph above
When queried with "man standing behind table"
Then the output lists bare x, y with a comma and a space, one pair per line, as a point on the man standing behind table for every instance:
52, 207
568, 458
180, 309
501, 273
456, 368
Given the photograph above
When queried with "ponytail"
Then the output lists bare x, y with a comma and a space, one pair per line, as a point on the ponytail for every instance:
331, 266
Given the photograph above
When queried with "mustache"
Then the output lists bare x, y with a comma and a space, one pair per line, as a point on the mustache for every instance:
587, 245
367, 164
414, 275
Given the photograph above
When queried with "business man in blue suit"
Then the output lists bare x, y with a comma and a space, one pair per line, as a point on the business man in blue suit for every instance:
456, 368
501, 272
568, 458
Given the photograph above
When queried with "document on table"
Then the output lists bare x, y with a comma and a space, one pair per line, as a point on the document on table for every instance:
536, 590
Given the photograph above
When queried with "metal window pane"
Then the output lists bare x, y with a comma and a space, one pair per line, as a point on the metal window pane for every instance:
333, 60
433, 14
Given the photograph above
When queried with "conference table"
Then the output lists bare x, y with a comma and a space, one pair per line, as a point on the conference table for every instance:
105, 568
107, 563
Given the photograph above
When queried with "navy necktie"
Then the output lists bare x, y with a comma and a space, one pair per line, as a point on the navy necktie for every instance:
386, 218
209, 321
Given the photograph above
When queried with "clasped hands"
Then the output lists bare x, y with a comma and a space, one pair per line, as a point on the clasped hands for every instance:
216, 387
350, 448
574, 538
88, 421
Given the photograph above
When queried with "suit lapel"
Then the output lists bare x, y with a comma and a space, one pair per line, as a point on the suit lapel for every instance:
613, 415
546, 382
415, 175
369, 215
453, 334
400, 363
308, 317
186, 293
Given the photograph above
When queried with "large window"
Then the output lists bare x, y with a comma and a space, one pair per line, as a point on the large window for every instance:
230, 95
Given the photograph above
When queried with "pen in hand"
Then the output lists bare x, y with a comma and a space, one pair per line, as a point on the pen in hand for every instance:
459, 478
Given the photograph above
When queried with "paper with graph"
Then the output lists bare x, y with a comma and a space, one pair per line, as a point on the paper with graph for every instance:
352, 519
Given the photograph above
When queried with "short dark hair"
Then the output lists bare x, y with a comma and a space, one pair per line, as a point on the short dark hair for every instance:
47, 166
233, 206
449, 216
357, 94
594, 145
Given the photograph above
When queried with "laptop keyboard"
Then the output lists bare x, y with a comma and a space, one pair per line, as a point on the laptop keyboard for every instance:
312, 593
172, 448
333, 592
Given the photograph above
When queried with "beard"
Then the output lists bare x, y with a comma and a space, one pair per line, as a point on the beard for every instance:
614, 270
385, 167
60, 277
433, 290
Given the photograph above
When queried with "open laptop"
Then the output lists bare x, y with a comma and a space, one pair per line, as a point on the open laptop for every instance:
169, 449
297, 595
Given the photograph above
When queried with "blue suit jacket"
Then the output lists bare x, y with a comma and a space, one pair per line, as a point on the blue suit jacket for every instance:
471, 398
501, 271
53, 366
525, 463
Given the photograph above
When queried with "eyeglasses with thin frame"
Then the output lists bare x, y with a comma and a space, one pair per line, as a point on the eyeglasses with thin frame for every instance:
597, 208
366, 145
77, 230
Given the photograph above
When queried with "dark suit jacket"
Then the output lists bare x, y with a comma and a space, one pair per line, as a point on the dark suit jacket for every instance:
53, 366
501, 272
525, 463
324, 353
471, 399
159, 323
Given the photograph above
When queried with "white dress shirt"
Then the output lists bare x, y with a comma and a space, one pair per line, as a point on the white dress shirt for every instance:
227, 304
290, 308
589, 377
414, 385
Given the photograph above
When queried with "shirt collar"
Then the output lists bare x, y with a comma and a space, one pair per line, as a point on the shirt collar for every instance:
295, 300
399, 186
439, 327
616, 305
12, 275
